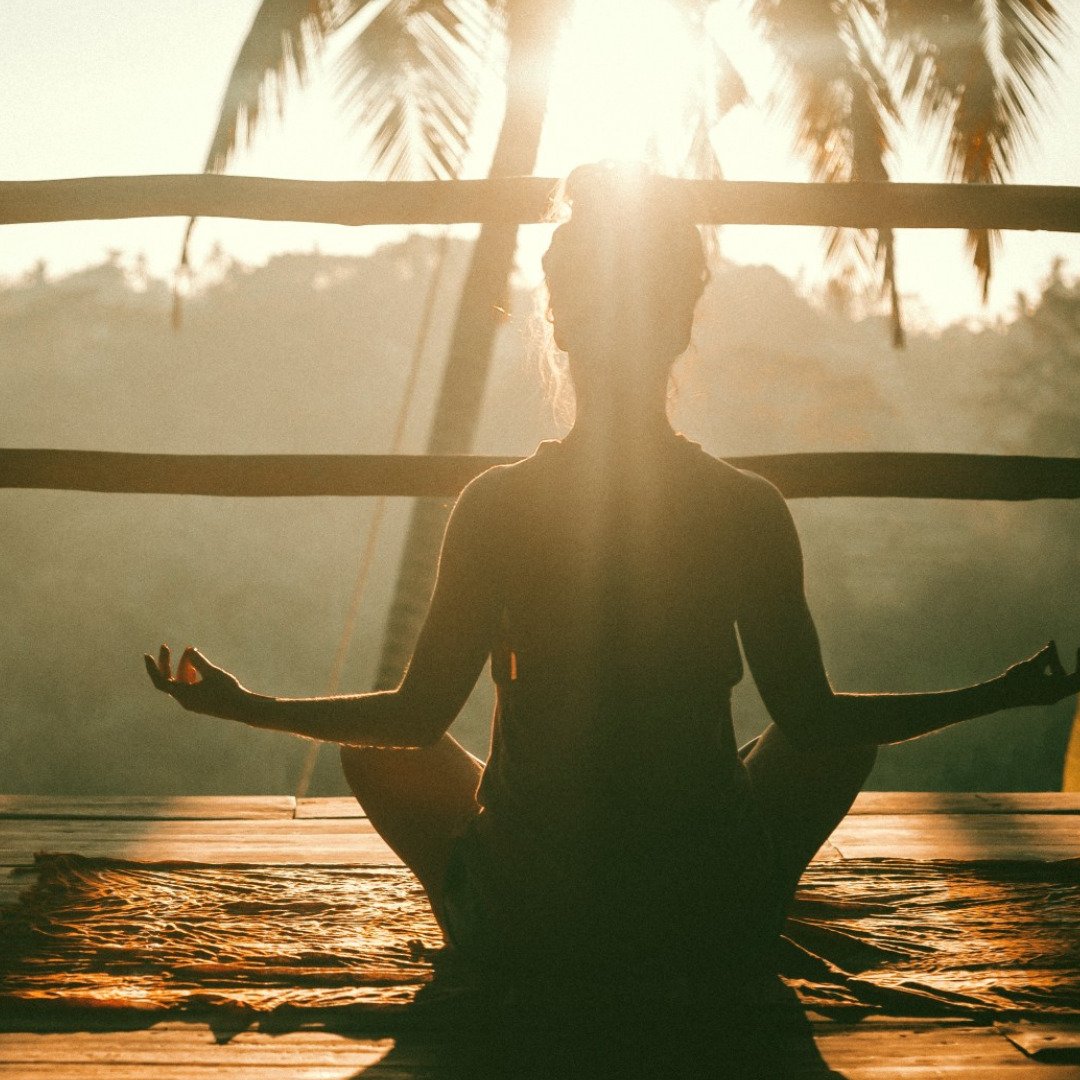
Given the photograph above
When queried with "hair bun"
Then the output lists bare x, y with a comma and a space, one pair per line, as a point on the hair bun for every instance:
628, 240
627, 193
604, 186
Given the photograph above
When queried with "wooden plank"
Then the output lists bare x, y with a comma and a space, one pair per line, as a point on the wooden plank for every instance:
826, 475
879, 1048
244, 475
1046, 1042
873, 1047
523, 200
884, 1069
259, 807
444, 1070
857, 1051
867, 802
335, 831
346, 841
273, 841
919, 802
338, 806
149, 807
1033, 802
958, 836
194, 1044
320, 835
177, 1070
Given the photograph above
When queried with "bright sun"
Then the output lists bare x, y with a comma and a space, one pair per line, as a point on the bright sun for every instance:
621, 81
629, 72
625, 77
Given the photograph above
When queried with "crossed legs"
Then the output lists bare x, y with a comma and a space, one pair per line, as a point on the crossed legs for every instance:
418, 800
802, 794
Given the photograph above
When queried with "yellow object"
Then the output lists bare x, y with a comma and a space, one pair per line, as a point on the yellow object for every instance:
1070, 776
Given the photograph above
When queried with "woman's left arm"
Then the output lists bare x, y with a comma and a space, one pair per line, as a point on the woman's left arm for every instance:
450, 653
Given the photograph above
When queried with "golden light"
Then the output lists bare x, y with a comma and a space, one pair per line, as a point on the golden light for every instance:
622, 81
630, 75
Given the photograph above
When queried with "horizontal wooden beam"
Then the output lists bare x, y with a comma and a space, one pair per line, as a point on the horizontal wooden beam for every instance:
798, 476
520, 200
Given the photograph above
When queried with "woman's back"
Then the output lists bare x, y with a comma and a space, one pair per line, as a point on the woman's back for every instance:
613, 781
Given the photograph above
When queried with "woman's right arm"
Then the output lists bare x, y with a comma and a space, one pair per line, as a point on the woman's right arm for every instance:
782, 648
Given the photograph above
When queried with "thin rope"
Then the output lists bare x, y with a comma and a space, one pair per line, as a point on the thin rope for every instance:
371, 541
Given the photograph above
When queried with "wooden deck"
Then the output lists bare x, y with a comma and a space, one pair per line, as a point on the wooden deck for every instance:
280, 830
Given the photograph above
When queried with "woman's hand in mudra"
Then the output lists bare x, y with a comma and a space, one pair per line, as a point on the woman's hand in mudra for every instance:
1040, 679
198, 685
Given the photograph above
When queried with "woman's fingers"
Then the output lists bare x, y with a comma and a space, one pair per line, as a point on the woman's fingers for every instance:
1052, 660
153, 669
1050, 667
187, 671
159, 671
1042, 679
199, 662
198, 685
192, 667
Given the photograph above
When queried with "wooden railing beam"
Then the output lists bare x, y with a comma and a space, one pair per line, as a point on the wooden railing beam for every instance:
798, 476
521, 200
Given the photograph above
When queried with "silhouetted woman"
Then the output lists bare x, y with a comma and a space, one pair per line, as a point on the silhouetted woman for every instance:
615, 824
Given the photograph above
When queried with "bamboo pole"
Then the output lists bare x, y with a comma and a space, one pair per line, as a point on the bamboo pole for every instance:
521, 200
798, 476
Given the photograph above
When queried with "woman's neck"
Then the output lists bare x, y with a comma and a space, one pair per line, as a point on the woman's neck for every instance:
620, 429
621, 400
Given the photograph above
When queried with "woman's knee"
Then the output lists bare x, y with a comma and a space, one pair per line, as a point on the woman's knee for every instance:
775, 745
352, 759
367, 771
845, 768
858, 760
777, 768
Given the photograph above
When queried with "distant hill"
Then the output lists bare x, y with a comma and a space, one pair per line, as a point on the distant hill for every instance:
309, 354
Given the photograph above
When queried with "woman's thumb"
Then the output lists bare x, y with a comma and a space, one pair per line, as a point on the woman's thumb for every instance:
192, 667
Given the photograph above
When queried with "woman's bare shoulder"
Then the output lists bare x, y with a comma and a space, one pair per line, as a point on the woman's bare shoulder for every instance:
749, 489
501, 482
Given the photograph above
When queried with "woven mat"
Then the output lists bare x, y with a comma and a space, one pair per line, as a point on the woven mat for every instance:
873, 935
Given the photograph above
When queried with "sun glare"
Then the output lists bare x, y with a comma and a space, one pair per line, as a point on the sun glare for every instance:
621, 83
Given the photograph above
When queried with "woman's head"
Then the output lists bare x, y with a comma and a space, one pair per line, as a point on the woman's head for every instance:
624, 274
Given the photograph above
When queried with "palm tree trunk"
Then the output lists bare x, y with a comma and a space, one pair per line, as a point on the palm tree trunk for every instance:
532, 31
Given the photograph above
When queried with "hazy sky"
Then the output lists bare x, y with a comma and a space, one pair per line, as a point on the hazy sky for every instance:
132, 86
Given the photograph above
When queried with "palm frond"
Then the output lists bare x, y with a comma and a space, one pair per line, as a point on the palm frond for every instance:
410, 82
716, 90
280, 44
283, 39
976, 68
872, 110
806, 37
436, 42
843, 107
